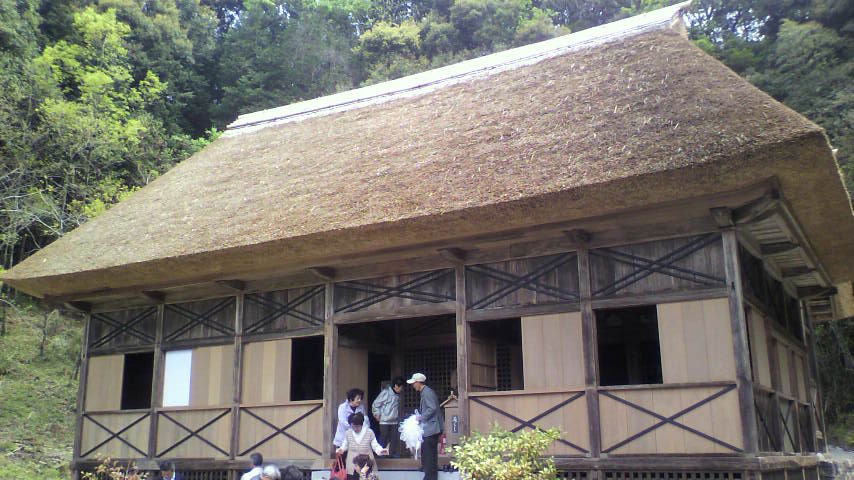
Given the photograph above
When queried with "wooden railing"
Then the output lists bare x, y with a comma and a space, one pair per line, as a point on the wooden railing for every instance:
518, 410
293, 430
670, 419
192, 432
116, 434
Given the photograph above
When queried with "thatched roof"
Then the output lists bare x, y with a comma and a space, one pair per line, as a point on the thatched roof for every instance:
618, 117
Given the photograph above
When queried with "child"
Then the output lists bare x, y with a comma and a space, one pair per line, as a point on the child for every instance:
364, 468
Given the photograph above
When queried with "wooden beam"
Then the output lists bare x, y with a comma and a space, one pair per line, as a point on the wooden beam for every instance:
817, 291
463, 337
330, 371
453, 255
81, 392
156, 382
81, 307
777, 248
723, 216
739, 339
590, 355
758, 209
155, 295
796, 271
237, 377
326, 274
578, 237
236, 285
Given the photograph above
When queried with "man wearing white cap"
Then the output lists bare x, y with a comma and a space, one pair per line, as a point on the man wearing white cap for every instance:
431, 421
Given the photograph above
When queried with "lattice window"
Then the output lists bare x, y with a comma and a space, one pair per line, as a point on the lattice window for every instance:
769, 292
504, 366
203, 474
572, 475
437, 364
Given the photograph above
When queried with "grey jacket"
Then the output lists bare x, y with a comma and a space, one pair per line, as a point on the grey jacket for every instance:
386, 406
432, 419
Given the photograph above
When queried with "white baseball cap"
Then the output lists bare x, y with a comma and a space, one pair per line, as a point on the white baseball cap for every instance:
417, 377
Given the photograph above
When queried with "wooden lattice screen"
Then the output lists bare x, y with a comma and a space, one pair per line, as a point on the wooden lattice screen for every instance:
437, 363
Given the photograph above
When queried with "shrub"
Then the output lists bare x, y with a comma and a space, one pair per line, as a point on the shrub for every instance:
504, 455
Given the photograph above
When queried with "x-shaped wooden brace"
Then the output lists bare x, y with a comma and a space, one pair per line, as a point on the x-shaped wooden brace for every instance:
764, 423
289, 308
671, 420
203, 318
194, 433
528, 282
281, 431
116, 435
407, 290
785, 419
530, 423
120, 328
665, 265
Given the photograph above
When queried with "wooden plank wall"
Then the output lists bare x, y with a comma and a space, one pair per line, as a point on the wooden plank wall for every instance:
716, 418
309, 430
217, 433
137, 435
283, 310
352, 373
212, 376
180, 319
104, 383
491, 285
482, 370
267, 372
759, 348
571, 419
390, 294
553, 355
615, 271
696, 341
124, 328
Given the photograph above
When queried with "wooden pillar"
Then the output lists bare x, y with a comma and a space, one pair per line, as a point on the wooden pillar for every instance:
747, 409
156, 381
776, 422
330, 371
237, 378
813, 372
463, 348
588, 336
81, 394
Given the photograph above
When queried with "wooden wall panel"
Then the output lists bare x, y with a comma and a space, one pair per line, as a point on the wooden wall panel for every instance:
619, 422
679, 264
571, 419
528, 281
352, 372
267, 372
203, 319
211, 377
104, 382
696, 341
800, 368
124, 328
759, 348
392, 293
553, 357
169, 433
786, 384
284, 310
482, 369
93, 435
308, 430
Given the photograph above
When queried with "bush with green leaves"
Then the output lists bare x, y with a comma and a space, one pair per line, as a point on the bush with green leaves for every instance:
504, 455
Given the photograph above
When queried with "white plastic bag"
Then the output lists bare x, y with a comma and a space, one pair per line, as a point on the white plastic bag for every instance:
411, 433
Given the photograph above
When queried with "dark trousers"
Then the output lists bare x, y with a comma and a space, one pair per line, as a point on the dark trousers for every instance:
430, 457
389, 438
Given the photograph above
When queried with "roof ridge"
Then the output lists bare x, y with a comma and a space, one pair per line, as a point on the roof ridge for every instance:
431, 80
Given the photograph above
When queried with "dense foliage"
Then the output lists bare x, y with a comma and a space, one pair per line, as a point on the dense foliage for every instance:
835, 356
505, 455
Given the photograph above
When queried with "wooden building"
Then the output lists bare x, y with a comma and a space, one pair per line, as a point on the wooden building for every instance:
608, 232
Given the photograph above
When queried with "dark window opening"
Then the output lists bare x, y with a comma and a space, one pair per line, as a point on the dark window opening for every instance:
136, 381
629, 352
496, 355
307, 368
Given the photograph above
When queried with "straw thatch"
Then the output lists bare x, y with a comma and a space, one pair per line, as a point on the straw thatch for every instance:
644, 119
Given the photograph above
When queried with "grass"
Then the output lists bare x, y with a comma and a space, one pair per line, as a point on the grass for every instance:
38, 395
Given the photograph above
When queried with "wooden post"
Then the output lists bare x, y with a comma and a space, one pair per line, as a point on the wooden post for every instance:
774, 368
81, 394
237, 377
744, 384
330, 371
815, 406
463, 347
588, 338
156, 381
